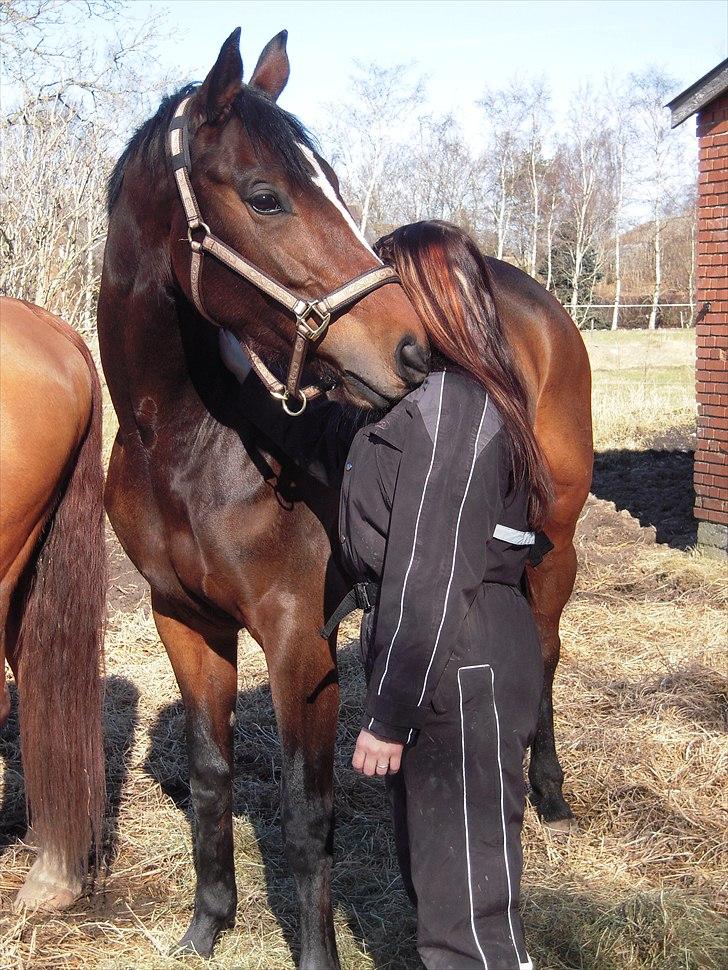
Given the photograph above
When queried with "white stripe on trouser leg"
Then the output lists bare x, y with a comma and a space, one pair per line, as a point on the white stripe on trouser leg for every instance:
414, 538
522, 965
467, 831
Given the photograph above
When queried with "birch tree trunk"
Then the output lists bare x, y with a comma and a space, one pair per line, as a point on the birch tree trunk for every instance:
657, 242
617, 282
549, 249
619, 201
372, 184
535, 212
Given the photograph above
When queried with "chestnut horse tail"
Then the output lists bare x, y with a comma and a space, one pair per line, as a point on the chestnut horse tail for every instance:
60, 651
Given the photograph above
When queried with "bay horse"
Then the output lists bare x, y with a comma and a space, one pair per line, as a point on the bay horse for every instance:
53, 589
227, 532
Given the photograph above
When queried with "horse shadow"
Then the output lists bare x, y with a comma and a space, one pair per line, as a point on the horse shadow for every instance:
120, 716
655, 486
366, 885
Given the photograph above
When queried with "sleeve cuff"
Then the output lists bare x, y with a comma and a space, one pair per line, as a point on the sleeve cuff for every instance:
388, 732
388, 709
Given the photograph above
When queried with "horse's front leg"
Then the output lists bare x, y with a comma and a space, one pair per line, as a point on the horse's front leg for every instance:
305, 692
550, 586
204, 663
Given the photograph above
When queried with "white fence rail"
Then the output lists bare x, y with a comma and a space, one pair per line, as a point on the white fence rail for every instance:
586, 320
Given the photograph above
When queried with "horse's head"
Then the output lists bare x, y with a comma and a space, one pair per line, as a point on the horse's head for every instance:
262, 189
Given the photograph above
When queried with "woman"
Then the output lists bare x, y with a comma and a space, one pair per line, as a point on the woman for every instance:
440, 500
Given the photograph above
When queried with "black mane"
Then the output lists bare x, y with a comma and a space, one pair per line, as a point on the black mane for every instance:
267, 126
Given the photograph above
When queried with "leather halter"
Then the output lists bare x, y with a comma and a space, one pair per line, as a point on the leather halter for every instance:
313, 317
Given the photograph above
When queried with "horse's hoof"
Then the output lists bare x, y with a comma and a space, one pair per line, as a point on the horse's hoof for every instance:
562, 827
201, 937
47, 891
46, 898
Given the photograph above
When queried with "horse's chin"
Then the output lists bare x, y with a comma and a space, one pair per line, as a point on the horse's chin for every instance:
361, 394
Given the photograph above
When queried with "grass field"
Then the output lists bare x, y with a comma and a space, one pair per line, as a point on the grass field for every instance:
641, 719
643, 386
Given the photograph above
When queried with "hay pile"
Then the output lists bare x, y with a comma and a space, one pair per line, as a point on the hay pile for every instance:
641, 722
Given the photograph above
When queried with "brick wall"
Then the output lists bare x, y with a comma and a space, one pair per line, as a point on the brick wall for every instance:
711, 456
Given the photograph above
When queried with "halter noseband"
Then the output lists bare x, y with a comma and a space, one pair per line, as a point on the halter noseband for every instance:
312, 316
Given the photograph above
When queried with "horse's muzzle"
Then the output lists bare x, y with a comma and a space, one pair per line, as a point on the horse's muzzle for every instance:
413, 361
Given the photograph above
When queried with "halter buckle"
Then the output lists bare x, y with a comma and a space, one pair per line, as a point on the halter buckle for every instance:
196, 246
304, 327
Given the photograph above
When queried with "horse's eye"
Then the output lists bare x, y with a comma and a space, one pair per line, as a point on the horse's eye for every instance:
265, 203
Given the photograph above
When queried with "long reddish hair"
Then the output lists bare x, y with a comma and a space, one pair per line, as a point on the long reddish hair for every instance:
448, 282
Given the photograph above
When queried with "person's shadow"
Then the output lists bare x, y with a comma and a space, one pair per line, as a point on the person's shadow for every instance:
367, 886
121, 701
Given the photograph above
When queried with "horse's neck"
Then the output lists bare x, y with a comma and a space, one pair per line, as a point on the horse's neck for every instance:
163, 370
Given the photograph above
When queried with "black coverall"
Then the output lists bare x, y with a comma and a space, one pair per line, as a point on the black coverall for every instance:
451, 651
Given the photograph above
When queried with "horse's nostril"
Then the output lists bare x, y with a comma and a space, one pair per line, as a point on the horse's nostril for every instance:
413, 360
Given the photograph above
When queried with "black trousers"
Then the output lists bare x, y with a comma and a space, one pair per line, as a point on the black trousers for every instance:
459, 798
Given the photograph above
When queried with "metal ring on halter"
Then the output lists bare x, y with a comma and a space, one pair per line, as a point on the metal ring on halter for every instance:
284, 398
194, 245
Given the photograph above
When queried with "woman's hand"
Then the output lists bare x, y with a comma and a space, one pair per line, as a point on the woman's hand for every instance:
372, 756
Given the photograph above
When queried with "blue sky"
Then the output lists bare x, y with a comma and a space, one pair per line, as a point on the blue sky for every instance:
461, 46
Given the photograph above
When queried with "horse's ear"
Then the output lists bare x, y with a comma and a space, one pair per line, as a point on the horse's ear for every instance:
224, 81
272, 70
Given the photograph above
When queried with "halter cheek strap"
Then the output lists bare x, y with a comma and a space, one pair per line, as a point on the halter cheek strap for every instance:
312, 317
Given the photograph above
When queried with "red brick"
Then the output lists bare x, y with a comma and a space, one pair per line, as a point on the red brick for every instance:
710, 353
715, 505
708, 515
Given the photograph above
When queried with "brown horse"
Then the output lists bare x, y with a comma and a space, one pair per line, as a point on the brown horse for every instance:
225, 530
555, 365
53, 589
226, 536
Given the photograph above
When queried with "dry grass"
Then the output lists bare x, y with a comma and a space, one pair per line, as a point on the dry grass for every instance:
641, 718
641, 722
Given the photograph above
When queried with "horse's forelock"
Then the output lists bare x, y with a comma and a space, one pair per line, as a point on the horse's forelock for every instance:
267, 125
272, 128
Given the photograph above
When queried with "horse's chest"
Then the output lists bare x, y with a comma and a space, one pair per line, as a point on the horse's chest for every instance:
230, 546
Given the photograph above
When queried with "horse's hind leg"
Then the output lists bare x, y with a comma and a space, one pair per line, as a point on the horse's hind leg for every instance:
204, 663
306, 699
550, 586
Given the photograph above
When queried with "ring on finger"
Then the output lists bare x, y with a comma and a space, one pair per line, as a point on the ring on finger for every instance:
383, 766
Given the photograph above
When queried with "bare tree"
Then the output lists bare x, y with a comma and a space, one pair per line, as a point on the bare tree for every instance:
585, 158
659, 161
64, 120
620, 149
504, 112
537, 99
369, 130
437, 179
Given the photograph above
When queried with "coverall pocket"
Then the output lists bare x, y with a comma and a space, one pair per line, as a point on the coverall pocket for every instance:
446, 696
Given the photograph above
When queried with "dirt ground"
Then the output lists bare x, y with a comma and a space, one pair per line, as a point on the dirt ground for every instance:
641, 724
